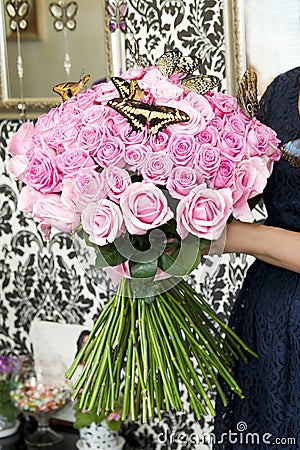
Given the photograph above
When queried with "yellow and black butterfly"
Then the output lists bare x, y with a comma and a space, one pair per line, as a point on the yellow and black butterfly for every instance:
201, 83
247, 93
174, 61
70, 88
139, 113
128, 90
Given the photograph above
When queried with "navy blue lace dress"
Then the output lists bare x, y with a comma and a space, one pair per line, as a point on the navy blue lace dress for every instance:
266, 314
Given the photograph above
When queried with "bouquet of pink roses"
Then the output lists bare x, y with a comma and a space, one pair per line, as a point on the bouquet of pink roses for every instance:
147, 172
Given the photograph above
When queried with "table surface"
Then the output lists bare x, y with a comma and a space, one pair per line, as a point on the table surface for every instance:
70, 437
17, 442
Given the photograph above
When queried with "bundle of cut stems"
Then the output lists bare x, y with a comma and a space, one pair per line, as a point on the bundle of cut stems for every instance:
141, 353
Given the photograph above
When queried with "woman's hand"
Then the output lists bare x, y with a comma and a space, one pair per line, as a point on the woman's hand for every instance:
270, 244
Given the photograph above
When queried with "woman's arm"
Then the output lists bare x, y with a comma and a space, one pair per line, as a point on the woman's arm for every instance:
273, 245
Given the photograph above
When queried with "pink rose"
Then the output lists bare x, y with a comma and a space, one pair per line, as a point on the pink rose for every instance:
163, 91
182, 149
237, 123
86, 98
207, 160
176, 77
73, 160
103, 222
69, 196
218, 123
208, 136
261, 140
204, 212
90, 138
111, 152
117, 181
21, 140
63, 136
94, 115
105, 92
151, 77
42, 172
157, 167
250, 179
70, 111
232, 146
134, 73
47, 121
224, 175
257, 141
135, 156
222, 103
196, 123
27, 198
160, 142
118, 126
53, 213
201, 104
17, 166
182, 180
144, 207
90, 187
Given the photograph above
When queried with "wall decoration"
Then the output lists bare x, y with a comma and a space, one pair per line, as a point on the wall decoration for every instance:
64, 15
28, 15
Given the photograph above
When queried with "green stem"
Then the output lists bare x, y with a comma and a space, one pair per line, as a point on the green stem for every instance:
101, 319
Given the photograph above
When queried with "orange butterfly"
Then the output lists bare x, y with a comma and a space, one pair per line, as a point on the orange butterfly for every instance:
70, 88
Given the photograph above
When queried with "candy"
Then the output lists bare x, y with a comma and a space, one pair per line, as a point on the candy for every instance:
40, 397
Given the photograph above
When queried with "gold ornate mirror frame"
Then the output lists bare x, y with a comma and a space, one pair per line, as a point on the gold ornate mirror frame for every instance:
10, 106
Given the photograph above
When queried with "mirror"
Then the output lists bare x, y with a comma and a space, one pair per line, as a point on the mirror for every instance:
43, 50
263, 36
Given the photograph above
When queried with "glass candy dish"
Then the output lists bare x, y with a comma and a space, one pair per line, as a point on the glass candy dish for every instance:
39, 390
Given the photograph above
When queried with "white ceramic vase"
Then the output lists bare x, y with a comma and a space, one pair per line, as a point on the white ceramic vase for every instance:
100, 437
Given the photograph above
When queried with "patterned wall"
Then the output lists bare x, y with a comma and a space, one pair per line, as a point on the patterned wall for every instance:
49, 281
195, 27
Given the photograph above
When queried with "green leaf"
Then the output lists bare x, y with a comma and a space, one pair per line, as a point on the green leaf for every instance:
114, 425
85, 419
143, 270
108, 255
170, 228
185, 258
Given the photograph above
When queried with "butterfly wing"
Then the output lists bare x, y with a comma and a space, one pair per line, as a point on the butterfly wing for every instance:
201, 83
161, 116
69, 89
247, 96
168, 61
128, 90
135, 112
187, 64
122, 86
136, 93
138, 114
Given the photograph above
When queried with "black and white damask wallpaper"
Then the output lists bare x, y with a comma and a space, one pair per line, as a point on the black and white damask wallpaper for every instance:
194, 27
49, 282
